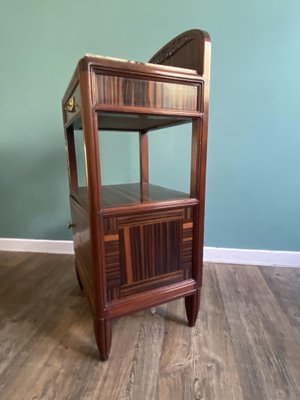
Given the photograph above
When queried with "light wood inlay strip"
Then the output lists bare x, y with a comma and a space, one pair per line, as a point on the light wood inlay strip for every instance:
128, 255
187, 225
111, 238
151, 218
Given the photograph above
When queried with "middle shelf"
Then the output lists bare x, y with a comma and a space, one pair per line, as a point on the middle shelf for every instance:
131, 195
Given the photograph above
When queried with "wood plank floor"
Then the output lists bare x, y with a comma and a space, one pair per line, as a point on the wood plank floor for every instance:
245, 345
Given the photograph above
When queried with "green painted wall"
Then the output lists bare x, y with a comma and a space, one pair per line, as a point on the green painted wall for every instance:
253, 182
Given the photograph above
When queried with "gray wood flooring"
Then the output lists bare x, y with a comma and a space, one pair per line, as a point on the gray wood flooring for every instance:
245, 345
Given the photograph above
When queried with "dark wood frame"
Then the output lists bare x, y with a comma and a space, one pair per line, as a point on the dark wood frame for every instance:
109, 236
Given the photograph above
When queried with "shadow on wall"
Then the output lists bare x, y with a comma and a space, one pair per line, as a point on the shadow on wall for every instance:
34, 192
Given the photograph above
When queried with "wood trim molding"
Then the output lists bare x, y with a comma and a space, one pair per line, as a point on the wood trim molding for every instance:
211, 254
252, 257
37, 246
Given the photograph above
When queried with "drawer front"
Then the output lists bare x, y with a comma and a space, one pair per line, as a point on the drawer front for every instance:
147, 251
133, 93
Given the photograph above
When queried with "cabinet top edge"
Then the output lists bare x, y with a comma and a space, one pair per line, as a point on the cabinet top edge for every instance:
116, 65
121, 62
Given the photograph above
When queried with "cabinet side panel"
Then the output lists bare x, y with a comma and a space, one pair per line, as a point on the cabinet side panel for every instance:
82, 247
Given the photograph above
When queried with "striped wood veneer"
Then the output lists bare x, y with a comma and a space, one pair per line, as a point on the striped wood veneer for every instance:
120, 91
147, 250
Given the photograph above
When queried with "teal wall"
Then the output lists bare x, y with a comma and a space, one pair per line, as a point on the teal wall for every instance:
253, 181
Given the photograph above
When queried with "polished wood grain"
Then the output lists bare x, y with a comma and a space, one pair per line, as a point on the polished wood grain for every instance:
138, 245
145, 250
192, 305
71, 158
242, 346
151, 249
116, 196
185, 50
131, 193
144, 162
151, 217
120, 91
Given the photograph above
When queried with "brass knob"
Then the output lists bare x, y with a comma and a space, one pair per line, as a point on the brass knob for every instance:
71, 104
71, 225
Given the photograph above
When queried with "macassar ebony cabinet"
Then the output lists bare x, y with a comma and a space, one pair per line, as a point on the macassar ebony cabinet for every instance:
138, 245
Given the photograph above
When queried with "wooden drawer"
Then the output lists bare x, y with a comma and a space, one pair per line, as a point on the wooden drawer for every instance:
143, 94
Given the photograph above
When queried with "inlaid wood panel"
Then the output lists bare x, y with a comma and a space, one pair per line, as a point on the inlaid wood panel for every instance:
112, 263
145, 251
122, 91
151, 283
111, 224
187, 249
148, 250
150, 218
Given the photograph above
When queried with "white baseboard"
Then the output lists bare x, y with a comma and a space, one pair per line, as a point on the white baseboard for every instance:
37, 246
252, 257
211, 254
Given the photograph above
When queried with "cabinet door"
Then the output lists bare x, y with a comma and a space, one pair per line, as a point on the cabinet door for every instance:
149, 250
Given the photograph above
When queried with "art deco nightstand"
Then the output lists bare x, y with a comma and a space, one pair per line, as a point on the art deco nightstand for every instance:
138, 245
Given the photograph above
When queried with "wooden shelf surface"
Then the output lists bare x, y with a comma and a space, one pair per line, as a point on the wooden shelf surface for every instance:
134, 194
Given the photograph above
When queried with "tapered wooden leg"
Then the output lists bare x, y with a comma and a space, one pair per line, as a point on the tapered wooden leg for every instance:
78, 277
103, 334
192, 304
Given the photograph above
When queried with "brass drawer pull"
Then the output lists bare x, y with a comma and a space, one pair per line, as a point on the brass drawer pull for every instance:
71, 104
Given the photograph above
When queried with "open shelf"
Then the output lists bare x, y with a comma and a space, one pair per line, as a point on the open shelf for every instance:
134, 194
134, 122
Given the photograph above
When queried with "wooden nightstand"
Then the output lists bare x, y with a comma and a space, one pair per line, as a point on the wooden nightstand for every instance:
138, 245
